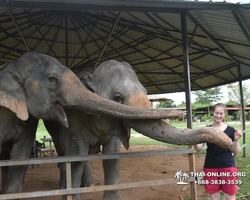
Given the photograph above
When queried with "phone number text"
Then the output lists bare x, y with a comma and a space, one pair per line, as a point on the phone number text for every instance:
219, 182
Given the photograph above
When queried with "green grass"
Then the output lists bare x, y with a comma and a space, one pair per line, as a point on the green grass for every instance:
41, 131
243, 164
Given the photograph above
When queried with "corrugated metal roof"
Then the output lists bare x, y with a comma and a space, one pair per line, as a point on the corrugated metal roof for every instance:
146, 33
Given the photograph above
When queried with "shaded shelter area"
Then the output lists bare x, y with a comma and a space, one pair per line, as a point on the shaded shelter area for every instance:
173, 46
147, 34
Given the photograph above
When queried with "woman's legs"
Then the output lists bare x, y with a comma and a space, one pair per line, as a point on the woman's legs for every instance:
215, 196
229, 196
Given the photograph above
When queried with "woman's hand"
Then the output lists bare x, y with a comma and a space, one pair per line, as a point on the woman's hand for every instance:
237, 134
236, 144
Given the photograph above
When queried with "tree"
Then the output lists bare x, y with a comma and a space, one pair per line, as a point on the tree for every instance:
235, 99
182, 104
166, 104
208, 96
234, 94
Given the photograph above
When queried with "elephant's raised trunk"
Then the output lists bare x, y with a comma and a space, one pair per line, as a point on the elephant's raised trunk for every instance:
164, 132
80, 97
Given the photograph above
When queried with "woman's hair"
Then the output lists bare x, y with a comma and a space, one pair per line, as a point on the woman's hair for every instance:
220, 105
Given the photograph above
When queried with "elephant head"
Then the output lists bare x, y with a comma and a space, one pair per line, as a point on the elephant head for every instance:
39, 85
118, 82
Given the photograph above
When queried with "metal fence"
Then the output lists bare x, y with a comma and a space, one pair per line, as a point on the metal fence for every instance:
68, 159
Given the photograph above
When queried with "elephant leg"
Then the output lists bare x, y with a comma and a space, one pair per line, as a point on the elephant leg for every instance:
76, 169
87, 178
5, 155
20, 150
76, 174
111, 169
5, 172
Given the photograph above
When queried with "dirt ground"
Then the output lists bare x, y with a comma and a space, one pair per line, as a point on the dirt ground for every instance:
46, 176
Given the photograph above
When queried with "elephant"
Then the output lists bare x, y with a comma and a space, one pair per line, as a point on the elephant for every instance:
37, 86
118, 82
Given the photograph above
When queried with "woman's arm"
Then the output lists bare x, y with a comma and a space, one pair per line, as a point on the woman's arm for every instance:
236, 144
198, 147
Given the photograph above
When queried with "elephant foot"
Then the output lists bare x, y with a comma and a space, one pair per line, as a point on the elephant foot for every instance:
87, 182
112, 195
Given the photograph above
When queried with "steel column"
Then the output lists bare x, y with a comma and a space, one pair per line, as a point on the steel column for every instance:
66, 40
188, 95
242, 110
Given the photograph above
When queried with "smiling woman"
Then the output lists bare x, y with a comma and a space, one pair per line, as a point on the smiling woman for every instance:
221, 160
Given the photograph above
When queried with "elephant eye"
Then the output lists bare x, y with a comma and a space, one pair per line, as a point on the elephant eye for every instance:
52, 81
118, 98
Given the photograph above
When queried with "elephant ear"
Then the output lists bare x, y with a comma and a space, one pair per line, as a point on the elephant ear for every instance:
12, 95
88, 80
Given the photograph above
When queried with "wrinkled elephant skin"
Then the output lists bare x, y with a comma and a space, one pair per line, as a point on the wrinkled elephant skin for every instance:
38, 86
118, 82
164, 132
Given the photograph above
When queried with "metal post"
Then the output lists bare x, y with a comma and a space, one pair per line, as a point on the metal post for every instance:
66, 39
243, 117
69, 180
188, 95
243, 109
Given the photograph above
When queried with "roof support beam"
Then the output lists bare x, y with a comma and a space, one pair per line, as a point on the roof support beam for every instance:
38, 29
172, 57
86, 38
56, 33
7, 35
242, 25
79, 19
18, 28
164, 30
220, 69
12, 49
193, 34
109, 36
111, 5
220, 46
15, 47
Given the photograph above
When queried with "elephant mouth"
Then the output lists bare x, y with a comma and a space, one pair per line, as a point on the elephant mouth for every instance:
61, 115
126, 142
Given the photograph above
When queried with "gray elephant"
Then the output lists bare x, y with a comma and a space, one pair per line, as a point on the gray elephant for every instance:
37, 86
118, 82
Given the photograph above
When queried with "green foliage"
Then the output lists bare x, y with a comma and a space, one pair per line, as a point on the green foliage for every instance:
197, 105
41, 128
208, 96
229, 117
183, 104
234, 94
166, 104
248, 115
206, 117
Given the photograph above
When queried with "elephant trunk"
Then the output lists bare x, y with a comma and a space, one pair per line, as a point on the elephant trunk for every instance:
76, 95
164, 132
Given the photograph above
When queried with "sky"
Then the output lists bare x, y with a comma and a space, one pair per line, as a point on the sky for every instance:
178, 97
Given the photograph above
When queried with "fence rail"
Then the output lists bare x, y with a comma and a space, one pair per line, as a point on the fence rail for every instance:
68, 159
